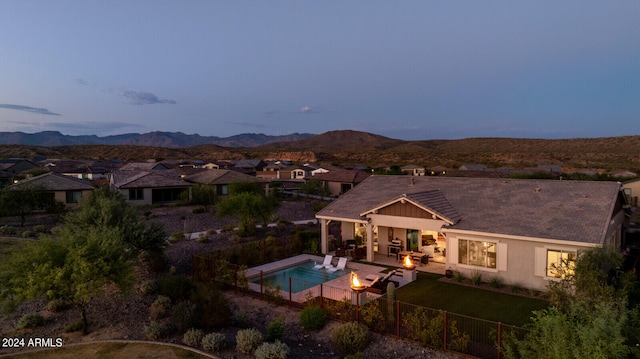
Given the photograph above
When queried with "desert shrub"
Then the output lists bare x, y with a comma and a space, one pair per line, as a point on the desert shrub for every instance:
234, 238
147, 214
57, 305
425, 326
313, 317
73, 326
275, 350
248, 340
40, 228
159, 307
459, 277
199, 210
214, 342
273, 294
495, 282
183, 315
149, 287
515, 287
155, 331
176, 287
202, 238
31, 320
476, 278
275, 329
28, 234
240, 320
372, 316
212, 307
350, 338
193, 337
10, 230
228, 228
177, 236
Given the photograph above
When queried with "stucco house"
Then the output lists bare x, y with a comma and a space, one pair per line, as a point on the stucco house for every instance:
155, 186
517, 230
221, 179
339, 181
65, 189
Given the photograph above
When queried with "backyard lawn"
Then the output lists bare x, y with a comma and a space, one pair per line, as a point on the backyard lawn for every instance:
6, 245
429, 292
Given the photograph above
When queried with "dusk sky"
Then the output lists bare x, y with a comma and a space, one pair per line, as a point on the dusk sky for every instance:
402, 69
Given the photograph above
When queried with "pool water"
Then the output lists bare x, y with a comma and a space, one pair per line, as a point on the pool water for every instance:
303, 276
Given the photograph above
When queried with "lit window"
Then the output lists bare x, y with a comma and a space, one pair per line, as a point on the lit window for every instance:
560, 264
477, 253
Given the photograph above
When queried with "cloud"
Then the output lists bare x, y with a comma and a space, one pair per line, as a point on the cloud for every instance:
72, 128
144, 98
303, 110
41, 111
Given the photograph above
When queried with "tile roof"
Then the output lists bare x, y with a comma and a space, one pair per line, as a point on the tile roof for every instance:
216, 176
563, 210
342, 175
147, 179
55, 182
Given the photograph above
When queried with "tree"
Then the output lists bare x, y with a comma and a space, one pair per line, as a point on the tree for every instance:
249, 207
589, 315
74, 267
203, 194
314, 187
26, 200
104, 208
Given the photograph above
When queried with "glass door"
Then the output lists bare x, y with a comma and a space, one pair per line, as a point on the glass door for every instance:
412, 239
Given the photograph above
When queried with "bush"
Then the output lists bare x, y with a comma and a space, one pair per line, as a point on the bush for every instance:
159, 308
240, 320
155, 331
214, 342
275, 329
275, 350
73, 327
176, 287
213, 309
313, 317
40, 228
193, 337
199, 210
183, 315
476, 278
459, 277
248, 340
495, 282
7, 230
28, 234
149, 287
57, 305
202, 238
350, 338
32, 320
177, 236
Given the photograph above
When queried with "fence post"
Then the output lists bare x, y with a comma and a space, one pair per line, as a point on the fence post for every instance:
445, 330
290, 288
261, 291
398, 318
499, 337
321, 297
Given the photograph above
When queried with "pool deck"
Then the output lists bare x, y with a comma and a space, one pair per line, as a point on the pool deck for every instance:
340, 288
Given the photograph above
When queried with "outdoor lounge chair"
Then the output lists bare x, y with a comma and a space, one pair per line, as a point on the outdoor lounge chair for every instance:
342, 262
380, 286
326, 264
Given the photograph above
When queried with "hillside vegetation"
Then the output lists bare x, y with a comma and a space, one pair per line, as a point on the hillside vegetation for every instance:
353, 147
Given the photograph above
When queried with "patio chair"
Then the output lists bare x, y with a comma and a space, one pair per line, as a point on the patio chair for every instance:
326, 264
342, 263
380, 286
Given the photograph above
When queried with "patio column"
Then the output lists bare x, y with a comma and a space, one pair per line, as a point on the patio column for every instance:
324, 242
370, 252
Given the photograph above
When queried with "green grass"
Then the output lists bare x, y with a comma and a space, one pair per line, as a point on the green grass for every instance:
427, 291
112, 350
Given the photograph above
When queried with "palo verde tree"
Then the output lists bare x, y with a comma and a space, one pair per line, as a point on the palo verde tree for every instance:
91, 249
589, 314
248, 202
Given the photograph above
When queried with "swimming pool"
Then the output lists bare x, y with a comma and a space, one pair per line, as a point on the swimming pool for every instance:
302, 275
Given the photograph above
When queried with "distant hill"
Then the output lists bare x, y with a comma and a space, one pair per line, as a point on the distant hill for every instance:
354, 147
152, 139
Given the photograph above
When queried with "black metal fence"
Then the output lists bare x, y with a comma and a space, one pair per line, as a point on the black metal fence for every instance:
433, 328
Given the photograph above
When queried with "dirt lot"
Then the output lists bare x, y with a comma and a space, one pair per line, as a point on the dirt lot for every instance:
124, 316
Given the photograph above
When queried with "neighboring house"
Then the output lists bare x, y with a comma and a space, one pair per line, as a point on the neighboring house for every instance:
413, 170
472, 167
16, 165
149, 187
144, 166
293, 173
516, 230
221, 179
250, 165
623, 174
553, 169
632, 191
438, 171
339, 181
65, 189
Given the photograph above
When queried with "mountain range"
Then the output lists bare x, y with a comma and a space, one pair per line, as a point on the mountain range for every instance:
151, 139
